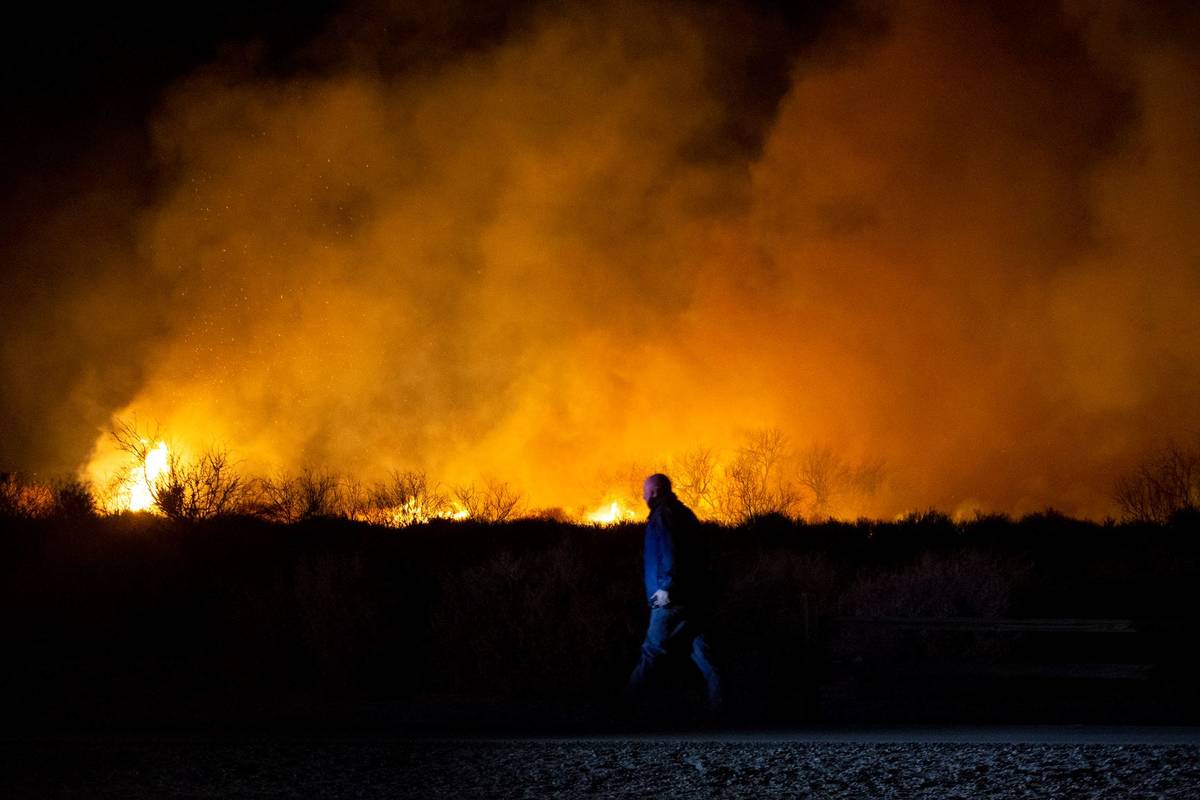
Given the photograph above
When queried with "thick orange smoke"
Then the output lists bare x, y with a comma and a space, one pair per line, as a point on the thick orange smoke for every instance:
961, 247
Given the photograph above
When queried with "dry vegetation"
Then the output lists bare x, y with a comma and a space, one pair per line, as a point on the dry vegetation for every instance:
764, 477
1163, 485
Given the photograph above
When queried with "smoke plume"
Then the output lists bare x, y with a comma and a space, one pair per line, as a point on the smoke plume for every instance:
544, 245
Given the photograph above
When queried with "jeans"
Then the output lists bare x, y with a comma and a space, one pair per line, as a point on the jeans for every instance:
672, 630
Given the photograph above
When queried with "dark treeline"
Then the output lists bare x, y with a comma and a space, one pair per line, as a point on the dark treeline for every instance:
135, 621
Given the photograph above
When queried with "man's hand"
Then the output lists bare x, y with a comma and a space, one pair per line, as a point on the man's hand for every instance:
660, 599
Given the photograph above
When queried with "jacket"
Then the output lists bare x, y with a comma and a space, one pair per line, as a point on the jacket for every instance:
675, 557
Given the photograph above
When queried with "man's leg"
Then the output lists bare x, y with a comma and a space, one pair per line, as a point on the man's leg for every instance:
714, 689
653, 649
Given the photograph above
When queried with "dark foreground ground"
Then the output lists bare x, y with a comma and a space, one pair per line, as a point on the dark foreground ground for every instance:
996, 763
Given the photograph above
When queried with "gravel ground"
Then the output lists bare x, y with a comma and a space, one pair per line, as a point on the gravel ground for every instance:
737, 766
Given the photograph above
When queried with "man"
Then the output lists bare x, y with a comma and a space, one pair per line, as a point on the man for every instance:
677, 589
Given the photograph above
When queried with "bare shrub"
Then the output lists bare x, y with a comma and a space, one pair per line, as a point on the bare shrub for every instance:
824, 474
829, 479
136, 443
867, 477
495, 501
205, 487
755, 483
695, 480
354, 499
1164, 483
311, 494
408, 497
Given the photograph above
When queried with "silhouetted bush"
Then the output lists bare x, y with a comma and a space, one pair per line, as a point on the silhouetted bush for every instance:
495, 501
137, 617
967, 583
408, 497
201, 488
73, 499
311, 494
23, 497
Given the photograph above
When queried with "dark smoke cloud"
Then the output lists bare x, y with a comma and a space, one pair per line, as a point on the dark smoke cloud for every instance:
542, 242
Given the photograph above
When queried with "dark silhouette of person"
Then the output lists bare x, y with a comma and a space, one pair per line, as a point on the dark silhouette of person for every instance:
679, 591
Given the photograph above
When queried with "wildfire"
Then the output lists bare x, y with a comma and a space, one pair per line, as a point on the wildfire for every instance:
139, 486
134, 468
610, 514
413, 512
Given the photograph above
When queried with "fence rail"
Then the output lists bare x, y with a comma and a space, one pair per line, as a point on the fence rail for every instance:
989, 624
1066, 661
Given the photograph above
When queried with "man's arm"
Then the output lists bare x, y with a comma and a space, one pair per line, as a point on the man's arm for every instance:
668, 557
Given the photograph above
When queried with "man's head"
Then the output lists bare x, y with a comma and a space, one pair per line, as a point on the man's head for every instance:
655, 487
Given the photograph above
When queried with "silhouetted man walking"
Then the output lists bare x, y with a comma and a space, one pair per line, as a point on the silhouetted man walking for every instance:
677, 589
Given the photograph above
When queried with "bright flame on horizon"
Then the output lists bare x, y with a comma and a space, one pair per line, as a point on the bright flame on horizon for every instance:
142, 478
610, 514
